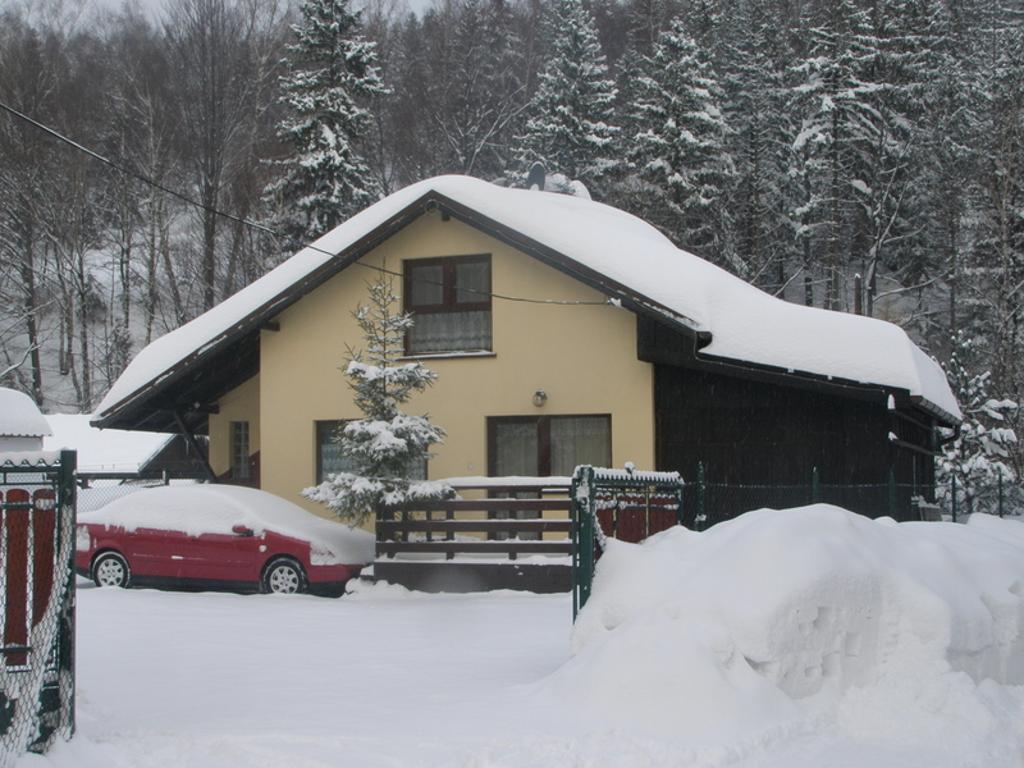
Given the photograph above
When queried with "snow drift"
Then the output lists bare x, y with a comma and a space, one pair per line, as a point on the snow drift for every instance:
910, 631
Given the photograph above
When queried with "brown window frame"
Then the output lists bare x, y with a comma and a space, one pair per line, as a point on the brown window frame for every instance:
240, 468
319, 427
543, 437
449, 302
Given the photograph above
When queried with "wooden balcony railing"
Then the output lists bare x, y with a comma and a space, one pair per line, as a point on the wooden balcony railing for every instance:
504, 527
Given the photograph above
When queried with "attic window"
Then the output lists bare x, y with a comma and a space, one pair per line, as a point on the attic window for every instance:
451, 303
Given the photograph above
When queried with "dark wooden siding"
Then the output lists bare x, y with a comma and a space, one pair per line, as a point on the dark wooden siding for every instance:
752, 432
760, 442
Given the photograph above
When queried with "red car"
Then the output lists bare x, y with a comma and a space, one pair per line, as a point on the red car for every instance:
217, 536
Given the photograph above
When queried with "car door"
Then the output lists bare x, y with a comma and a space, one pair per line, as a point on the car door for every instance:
226, 556
155, 552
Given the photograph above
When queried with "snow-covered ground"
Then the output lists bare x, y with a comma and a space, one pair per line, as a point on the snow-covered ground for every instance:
712, 660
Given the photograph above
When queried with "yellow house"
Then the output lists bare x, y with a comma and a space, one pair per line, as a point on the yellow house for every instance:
562, 331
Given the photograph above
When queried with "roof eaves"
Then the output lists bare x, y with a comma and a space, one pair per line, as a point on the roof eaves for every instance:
268, 309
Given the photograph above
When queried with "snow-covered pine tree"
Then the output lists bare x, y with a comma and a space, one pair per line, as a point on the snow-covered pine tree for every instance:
386, 445
981, 453
833, 95
571, 126
332, 72
678, 144
754, 109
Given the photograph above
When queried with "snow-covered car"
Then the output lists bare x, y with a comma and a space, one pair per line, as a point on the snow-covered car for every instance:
217, 536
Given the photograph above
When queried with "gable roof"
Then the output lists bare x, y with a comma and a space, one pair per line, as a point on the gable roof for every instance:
622, 256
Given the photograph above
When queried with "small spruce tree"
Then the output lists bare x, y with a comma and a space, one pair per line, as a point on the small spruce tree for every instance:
332, 73
386, 445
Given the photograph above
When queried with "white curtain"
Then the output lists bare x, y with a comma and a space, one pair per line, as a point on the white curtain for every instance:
450, 332
579, 440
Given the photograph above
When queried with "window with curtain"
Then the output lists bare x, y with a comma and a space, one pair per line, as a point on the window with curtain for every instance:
451, 304
330, 459
546, 446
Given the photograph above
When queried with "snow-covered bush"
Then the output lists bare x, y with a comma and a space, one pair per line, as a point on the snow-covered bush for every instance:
386, 445
978, 456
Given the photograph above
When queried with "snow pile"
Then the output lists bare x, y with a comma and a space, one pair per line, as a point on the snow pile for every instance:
902, 632
200, 509
19, 415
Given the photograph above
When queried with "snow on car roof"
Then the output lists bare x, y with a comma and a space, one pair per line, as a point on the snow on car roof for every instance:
20, 416
745, 323
203, 509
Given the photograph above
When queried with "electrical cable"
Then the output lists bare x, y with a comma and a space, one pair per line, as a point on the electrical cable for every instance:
262, 227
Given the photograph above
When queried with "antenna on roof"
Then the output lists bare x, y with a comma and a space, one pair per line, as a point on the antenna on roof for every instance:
535, 179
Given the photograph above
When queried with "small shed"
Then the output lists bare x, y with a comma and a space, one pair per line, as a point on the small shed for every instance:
22, 425
117, 454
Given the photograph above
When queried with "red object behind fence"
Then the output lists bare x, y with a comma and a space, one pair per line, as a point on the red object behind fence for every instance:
44, 525
16, 575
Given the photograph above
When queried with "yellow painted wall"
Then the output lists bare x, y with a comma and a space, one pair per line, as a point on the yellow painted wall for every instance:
240, 404
583, 357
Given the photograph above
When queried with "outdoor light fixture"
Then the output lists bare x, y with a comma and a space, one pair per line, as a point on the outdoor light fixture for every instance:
540, 397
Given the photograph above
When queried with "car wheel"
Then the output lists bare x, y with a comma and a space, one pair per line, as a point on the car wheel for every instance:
284, 577
110, 570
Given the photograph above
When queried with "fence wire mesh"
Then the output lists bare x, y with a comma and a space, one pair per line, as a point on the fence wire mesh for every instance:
37, 601
101, 492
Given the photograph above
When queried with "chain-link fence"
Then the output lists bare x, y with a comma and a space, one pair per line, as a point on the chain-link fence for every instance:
37, 601
99, 492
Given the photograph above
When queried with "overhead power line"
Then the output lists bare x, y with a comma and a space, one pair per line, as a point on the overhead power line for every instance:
53, 133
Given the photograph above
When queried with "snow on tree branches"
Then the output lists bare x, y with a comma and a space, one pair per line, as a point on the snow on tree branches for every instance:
679, 142
979, 456
572, 126
332, 71
386, 448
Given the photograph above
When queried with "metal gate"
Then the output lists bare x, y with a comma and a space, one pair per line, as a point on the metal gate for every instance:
619, 504
37, 601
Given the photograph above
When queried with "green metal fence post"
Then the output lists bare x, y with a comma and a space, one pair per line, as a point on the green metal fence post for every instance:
679, 503
892, 493
1000, 494
583, 504
815, 486
574, 525
700, 518
952, 484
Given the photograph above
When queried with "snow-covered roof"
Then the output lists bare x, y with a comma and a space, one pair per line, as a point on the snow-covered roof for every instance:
20, 416
103, 450
629, 257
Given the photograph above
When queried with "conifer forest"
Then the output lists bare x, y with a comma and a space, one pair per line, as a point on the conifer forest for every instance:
858, 155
